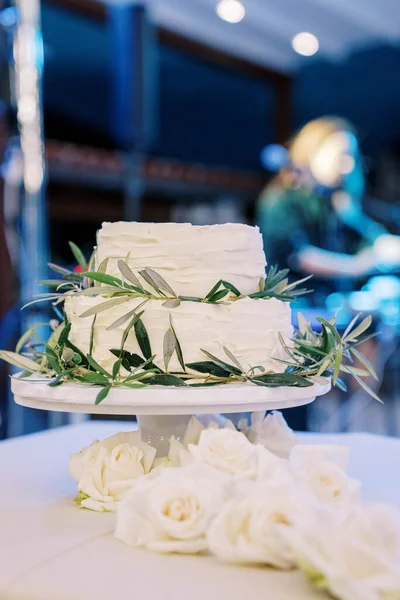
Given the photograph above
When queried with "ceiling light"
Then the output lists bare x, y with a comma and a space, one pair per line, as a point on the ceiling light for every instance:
305, 43
232, 11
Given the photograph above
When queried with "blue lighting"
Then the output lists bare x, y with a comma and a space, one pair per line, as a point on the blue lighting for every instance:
9, 17
274, 157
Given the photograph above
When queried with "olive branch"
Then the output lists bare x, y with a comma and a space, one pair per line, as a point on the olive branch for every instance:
328, 354
310, 355
150, 285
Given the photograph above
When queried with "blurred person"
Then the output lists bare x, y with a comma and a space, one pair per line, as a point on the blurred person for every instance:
312, 219
311, 214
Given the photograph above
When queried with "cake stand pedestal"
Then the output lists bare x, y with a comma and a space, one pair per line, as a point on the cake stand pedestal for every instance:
162, 411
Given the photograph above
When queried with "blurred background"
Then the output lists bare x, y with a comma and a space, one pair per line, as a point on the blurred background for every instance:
281, 113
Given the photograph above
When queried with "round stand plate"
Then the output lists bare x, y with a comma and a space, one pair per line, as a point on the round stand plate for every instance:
161, 411
158, 400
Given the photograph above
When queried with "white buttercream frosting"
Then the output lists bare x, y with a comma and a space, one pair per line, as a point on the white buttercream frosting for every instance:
247, 327
190, 258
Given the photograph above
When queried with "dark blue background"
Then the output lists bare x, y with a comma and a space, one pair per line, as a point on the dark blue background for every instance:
208, 113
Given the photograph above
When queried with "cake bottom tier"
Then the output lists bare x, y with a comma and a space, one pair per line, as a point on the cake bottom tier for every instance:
248, 327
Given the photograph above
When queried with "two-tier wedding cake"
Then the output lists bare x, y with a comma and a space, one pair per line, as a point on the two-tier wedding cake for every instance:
192, 260
176, 305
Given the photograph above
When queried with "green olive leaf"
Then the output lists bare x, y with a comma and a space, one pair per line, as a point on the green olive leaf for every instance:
103, 306
178, 348
231, 287
78, 254
124, 318
116, 368
218, 296
131, 324
214, 289
102, 395
363, 384
169, 347
91, 339
160, 282
143, 338
364, 360
165, 379
355, 333
222, 364
27, 335
173, 303
95, 365
64, 334
281, 379
107, 279
129, 274
208, 367
338, 362
150, 281
233, 358
22, 362
102, 268
128, 360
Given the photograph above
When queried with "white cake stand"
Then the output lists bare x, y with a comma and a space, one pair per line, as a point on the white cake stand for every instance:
162, 411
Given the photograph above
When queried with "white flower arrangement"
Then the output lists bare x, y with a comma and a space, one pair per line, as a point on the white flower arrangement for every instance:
106, 471
250, 526
230, 452
173, 511
250, 497
355, 558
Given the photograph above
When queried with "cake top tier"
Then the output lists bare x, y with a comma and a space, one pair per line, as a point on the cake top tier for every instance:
190, 258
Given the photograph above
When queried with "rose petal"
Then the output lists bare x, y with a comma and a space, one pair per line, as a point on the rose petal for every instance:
229, 425
276, 435
178, 546
97, 506
176, 451
82, 459
132, 438
193, 431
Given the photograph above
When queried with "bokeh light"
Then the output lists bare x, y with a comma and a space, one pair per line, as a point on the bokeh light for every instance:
231, 11
305, 43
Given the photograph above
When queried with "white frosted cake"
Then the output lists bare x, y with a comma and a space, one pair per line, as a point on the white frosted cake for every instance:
192, 259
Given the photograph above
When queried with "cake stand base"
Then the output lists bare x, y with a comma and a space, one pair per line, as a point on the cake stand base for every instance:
162, 411
157, 431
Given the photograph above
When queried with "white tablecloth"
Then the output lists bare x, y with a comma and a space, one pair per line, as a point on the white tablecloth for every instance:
50, 550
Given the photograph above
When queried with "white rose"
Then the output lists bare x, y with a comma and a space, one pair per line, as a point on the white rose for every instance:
106, 470
328, 482
274, 434
250, 528
109, 477
178, 455
355, 559
171, 512
195, 427
231, 452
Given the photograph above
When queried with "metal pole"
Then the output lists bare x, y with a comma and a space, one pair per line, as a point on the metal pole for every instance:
134, 81
28, 66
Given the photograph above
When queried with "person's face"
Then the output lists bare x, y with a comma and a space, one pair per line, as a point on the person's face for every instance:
334, 159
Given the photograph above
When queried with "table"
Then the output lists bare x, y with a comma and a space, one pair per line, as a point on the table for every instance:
50, 550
